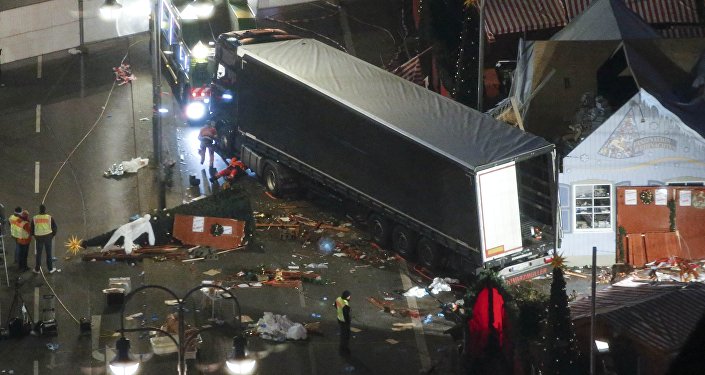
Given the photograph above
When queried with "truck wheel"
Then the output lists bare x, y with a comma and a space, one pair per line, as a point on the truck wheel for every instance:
272, 179
404, 241
428, 253
380, 229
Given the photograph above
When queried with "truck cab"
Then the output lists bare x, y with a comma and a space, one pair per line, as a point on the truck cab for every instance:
223, 90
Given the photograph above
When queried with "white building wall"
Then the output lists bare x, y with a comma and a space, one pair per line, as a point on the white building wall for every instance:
53, 26
37, 29
642, 143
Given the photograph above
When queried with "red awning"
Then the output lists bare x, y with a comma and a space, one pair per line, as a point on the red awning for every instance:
512, 16
665, 11
651, 11
674, 32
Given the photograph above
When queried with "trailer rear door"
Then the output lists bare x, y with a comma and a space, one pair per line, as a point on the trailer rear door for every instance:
500, 223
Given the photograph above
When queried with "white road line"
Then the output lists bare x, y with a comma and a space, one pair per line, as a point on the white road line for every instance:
37, 124
95, 331
36, 303
424, 357
39, 66
312, 359
36, 177
36, 367
302, 298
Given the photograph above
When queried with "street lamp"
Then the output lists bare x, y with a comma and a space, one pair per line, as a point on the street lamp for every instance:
239, 362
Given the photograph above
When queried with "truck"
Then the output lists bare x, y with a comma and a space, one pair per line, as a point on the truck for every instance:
188, 45
440, 183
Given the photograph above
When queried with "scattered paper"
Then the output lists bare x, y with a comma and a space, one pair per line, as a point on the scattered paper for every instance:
356, 330
340, 255
392, 341
211, 272
246, 319
243, 285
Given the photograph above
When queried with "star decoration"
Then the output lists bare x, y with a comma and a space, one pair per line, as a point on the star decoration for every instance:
74, 245
558, 261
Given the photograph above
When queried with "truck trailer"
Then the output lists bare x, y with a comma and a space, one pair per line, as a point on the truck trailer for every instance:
442, 183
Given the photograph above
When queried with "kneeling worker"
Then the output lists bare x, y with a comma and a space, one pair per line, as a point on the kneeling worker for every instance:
234, 170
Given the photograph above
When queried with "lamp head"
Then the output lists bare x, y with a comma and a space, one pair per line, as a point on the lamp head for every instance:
122, 364
110, 10
203, 8
240, 363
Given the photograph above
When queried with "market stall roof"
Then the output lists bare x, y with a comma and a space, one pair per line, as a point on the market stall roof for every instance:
470, 138
673, 87
652, 11
660, 315
513, 16
607, 20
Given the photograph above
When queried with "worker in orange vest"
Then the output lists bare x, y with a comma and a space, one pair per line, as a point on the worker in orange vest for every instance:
235, 169
207, 136
44, 229
20, 230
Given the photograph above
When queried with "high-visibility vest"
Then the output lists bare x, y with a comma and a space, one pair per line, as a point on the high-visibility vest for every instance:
17, 228
340, 303
42, 225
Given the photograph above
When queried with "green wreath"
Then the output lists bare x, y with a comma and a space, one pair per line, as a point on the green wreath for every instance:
646, 196
216, 230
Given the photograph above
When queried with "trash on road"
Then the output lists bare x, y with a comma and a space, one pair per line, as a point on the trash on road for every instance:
441, 285
392, 341
127, 166
279, 328
416, 292
123, 74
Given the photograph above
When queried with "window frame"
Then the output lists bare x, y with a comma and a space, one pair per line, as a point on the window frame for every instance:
575, 207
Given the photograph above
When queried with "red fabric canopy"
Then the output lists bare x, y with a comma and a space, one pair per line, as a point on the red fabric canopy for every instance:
486, 320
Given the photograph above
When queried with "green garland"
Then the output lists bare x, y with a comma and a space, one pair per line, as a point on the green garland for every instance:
620, 243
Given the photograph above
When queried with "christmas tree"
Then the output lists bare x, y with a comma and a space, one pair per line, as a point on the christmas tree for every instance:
560, 344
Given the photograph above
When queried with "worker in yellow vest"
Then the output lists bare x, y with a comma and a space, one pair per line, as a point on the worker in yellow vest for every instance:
342, 306
44, 230
20, 230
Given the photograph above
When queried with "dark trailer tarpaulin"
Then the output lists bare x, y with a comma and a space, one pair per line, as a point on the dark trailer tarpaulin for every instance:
471, 138
386, 138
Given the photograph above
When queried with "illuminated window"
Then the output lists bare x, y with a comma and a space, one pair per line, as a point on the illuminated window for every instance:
593, 207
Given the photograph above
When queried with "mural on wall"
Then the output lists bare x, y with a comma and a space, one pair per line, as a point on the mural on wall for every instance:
632, 137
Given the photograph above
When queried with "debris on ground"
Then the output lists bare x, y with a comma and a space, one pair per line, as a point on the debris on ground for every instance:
128, 166
441, 285
279, 328
417, 292
123, 74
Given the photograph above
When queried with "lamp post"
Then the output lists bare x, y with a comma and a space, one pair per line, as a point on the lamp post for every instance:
157, 102
111, 10
123, 365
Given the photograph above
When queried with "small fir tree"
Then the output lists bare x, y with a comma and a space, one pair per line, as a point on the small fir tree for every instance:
559, 333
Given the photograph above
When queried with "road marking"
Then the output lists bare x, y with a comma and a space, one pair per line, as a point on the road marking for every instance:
302, 298
39, 66
424, 357
36, 177
206, 182
95, 338
36, 303
312, 360
36, 367
38, 121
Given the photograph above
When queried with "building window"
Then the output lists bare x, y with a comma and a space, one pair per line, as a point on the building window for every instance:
593, 207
